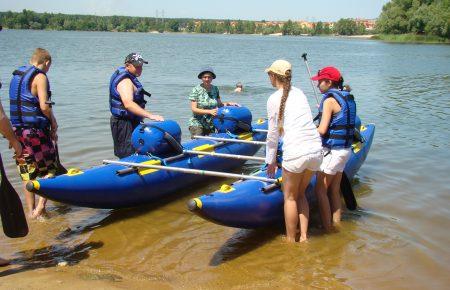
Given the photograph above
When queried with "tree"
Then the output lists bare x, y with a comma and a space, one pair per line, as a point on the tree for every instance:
347, 26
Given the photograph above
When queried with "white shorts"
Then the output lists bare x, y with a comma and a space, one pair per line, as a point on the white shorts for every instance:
334, 161
298, 165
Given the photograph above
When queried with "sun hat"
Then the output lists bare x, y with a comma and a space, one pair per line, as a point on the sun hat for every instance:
279, 67
328, 73
206, 70
135, 59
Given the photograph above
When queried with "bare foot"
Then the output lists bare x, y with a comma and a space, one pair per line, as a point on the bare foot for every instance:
337, 226
303, 239
31, 216
40, 213
287, 239
4, 262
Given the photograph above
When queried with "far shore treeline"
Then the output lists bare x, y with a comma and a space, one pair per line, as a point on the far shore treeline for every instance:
400, 20
28, 19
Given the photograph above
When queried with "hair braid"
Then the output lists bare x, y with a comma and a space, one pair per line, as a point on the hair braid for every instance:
286, 81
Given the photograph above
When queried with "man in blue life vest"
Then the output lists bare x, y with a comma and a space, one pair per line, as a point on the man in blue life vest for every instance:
127, 104
34, 124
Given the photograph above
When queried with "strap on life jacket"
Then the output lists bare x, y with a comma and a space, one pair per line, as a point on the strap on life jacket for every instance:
167, 136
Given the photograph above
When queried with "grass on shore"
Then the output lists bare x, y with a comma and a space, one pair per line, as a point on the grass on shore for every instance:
411, 38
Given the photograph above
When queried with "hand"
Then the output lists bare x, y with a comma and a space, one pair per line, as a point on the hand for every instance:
15, 144
53, 135
232, 104
271, 170
54, 126
156, 117
213, 112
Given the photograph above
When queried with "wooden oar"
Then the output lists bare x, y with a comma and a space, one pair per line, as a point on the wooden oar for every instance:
191, 171
60, 169
347, 192
11, 210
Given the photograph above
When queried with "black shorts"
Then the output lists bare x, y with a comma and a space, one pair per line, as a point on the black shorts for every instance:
121, 130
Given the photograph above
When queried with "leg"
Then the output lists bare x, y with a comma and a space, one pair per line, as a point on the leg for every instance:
335, 197
291, 183
121, 131
196, 131
302, 204
323, 183
40, 208
29, 200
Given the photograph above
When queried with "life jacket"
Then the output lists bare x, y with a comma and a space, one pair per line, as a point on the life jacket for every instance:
25, 111
342, 126
115, 102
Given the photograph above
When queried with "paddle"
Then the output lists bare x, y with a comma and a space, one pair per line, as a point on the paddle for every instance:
310, 76
11, 210
60, 169
346, 187
347, 192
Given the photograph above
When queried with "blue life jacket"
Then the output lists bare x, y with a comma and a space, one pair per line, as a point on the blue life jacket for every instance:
115, 102
342, 126
25, 111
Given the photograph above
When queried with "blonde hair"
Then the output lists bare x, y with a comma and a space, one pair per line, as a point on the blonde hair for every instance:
286, 81
40, 56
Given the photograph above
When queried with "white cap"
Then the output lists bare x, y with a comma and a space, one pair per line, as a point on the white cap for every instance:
279, 67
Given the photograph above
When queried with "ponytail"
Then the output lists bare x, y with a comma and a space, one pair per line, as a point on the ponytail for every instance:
286, 81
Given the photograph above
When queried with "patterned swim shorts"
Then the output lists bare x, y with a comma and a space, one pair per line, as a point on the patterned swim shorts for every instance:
39, 153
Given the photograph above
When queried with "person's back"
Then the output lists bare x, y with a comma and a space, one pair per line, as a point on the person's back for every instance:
34, 123
300, 135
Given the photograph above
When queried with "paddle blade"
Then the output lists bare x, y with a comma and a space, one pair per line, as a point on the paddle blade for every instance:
11, 210
347, 192
60, 169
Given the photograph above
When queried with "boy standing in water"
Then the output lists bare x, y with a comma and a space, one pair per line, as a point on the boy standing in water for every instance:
34, 124
337, 113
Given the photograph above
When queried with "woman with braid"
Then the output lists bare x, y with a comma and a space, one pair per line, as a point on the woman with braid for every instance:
291, 119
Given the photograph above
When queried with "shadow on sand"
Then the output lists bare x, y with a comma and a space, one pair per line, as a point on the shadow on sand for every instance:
244, 241
50, 256
115, 215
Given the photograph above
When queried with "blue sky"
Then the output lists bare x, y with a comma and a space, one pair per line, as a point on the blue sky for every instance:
317, 10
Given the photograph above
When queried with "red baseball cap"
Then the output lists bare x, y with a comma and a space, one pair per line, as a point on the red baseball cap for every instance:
328, 73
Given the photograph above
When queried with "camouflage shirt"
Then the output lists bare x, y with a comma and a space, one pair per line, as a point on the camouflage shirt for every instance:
205, 100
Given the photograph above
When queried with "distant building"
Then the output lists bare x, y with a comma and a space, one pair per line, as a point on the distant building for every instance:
369, 24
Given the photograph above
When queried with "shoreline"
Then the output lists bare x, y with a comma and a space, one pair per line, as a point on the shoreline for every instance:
388, 38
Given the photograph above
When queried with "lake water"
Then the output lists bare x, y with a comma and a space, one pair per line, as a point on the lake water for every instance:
398, 239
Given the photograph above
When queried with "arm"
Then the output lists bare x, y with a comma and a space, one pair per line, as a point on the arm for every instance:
40, 81
199, 111
221, 104
126, 91
7, 131
272, 140
328, 107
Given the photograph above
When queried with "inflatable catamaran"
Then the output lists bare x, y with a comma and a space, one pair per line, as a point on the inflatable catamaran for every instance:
161, 165
258, 203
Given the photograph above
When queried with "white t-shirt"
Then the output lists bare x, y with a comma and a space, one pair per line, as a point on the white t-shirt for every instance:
300, 135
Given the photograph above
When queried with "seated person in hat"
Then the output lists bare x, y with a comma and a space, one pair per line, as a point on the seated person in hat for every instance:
205, 99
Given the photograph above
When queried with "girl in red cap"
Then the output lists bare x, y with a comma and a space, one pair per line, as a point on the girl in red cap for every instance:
290, 118
337, 113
